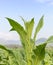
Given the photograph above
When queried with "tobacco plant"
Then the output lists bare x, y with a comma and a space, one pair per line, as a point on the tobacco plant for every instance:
32, 54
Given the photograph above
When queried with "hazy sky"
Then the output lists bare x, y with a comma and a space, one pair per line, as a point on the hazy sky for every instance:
27, 9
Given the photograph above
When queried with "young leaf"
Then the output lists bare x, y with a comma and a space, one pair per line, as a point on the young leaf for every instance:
28, 26
39, 26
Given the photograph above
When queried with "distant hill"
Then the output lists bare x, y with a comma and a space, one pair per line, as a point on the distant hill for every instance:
41, 40
2, 41
17, 43
10, 43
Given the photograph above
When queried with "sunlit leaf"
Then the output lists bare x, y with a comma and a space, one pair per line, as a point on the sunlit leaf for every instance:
28, 26
39, 26
18, 28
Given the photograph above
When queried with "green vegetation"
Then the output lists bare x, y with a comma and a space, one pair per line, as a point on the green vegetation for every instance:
29, 54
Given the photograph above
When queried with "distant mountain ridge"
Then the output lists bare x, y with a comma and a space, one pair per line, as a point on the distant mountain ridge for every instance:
17, 43
41, 40
2, 41
10, 43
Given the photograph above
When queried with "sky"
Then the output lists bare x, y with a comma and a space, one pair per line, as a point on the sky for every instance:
27, 9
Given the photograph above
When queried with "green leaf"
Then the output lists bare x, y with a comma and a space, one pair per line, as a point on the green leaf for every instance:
39, 26
40, 51
9, 51
50, 40
28, 26
18, 28
19, 57
4, 48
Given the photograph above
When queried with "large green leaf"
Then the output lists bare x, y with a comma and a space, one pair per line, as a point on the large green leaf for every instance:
39, 26
40, 51
17, 27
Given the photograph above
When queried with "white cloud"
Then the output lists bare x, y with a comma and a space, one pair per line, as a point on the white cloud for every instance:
51, 3
43, 1
48, 2
9, 36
